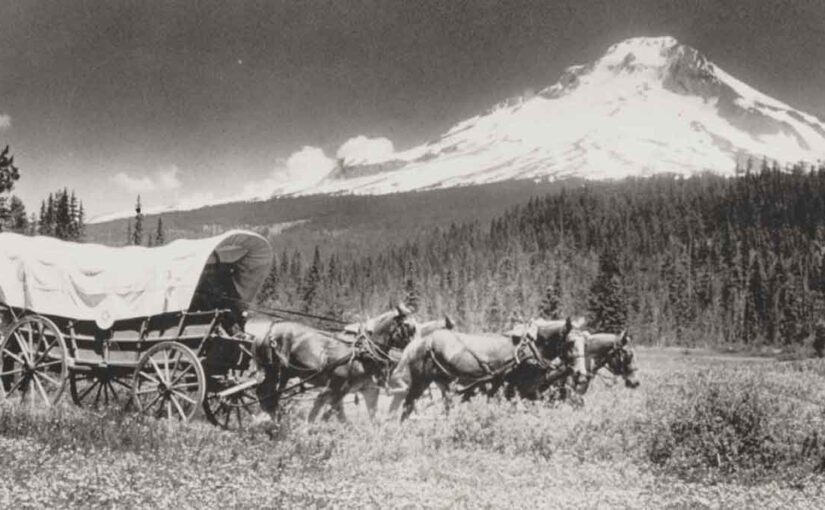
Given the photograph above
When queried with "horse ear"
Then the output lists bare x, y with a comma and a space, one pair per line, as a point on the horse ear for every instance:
568, 325
624, 339
402, 310
448, 322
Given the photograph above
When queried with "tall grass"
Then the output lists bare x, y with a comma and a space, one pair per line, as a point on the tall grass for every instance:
754, 429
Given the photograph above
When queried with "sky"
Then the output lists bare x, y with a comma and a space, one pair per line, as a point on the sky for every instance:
188, 102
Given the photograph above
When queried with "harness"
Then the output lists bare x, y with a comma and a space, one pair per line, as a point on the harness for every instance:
490, 374
363, 347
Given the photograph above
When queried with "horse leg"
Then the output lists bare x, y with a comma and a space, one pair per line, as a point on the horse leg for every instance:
268, 391
444, 386
319, 402
417, 389
397, 399
370, 395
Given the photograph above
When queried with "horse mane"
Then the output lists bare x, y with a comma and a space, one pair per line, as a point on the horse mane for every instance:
380, 322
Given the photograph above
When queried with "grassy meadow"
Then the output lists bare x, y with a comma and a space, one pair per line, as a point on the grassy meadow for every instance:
703, 431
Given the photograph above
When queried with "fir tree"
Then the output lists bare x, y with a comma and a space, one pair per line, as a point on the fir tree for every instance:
137, 232
312, 282
606, 303
160, 237
9, 174
411, 298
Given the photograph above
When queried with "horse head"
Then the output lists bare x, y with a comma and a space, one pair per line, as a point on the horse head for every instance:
393, 329
618, 357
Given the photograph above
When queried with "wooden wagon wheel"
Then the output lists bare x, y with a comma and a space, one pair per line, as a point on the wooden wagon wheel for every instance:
100, 387
33, 362
231, 401
169, 382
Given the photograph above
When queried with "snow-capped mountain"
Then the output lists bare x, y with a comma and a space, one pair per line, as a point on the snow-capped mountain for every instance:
649, 105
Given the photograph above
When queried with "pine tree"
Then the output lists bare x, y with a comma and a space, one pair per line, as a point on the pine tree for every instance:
9, 174
411, 298
137, 232
18, 220
80, 227
129, 238
62, 219
268, 294
312, 282
160, 237
606, 303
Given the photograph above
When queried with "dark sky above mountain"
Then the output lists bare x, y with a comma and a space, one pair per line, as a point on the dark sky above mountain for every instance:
183, 100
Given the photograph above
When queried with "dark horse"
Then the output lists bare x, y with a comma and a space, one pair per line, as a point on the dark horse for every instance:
473, 361
338, 363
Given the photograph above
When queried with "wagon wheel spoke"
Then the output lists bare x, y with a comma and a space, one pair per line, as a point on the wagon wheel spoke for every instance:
181, 395
148, 390
158, 371
88, 389
147, 376
11, 372
118, 381
50, 363
158, 398
112, 391
23, 351
14, 356
41, 389
47, 377
41, 356
17, 384
180, 376
97, 394
177, 406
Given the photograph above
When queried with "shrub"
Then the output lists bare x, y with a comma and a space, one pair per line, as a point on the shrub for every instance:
743, 425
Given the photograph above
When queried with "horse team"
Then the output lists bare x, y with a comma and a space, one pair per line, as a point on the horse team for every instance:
395, 352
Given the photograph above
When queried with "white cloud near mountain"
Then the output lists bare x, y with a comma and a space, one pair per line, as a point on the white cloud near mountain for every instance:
309, 166
361, 150
164, 179
5, 121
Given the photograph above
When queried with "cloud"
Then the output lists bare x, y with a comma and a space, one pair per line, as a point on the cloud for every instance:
167, 178
309, 163
164, 179
301, 170
361, 150
5, 121
133, 184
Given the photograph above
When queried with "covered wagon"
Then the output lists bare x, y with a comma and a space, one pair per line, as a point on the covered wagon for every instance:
160, 329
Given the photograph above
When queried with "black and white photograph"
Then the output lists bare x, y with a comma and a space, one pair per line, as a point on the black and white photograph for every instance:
562, 254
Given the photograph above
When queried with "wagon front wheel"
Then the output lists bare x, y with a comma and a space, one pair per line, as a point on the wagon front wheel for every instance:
230, 401
169, 382
33, 362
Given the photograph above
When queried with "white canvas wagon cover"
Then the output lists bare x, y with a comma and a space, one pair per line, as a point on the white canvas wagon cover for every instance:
105, 284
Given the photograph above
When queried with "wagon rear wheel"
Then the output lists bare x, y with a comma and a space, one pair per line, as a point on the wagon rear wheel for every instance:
169, 382
33, 362
236, 409
100, 387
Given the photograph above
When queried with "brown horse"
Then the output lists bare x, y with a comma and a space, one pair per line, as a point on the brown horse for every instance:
470, 361
338, 363
399, 381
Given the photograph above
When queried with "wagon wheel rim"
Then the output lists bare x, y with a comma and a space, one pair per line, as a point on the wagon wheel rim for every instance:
100, 388
169, 382
33, 366
232, 412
